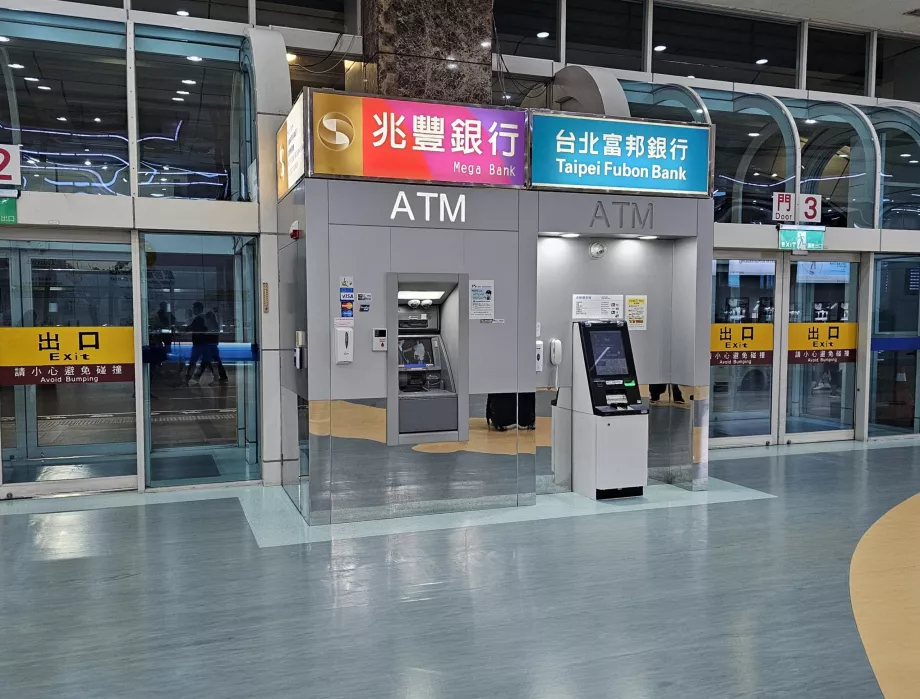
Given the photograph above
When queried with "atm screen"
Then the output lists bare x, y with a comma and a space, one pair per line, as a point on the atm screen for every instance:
609, 353
415, 352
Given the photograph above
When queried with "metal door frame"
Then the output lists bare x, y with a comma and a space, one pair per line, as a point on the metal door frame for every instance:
862, 316
778, 332
25, 395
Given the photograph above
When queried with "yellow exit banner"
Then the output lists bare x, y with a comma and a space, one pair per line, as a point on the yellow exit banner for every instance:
823, 343
40, 356
741, 337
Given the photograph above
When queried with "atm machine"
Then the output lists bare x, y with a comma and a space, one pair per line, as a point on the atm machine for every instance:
609, 420
427, 393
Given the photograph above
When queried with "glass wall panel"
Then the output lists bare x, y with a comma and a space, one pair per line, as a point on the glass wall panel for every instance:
322, 15
201, 359
606, 33
895, 341
195, 119
226, 10
526, 28
898, 132
836, 62
667, 102
66, 419
512, 91
822, 383
897, 67
754, 156
741, 390
64, 100
724, 47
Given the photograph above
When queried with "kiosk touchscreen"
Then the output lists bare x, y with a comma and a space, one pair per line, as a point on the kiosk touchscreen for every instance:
609, 420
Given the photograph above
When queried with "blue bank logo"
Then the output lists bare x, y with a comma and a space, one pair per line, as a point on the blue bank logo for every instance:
617, 155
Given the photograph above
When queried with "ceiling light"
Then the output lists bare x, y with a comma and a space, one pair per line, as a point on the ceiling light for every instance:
17, 66
4, 39
811, 121
753, 134
906, 155
761, 61
86, 150
569, 235
692, 77
188, 82
756, 174
648, 237
87, 163
43, 87
775, 175
699, 111
62, 118
485, 44
166, 168
163, 179
506, 96
291, 57
842, 155
105, 167
182, 13
660, 48
31, 80
420, 295
98, 120
914, 162
181, 92
178, 99
543, 35
195, 59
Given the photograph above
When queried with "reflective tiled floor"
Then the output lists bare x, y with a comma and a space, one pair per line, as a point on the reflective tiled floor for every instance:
218, 598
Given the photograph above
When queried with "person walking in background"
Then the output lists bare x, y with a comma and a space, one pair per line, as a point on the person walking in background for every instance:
212, 321
198, 327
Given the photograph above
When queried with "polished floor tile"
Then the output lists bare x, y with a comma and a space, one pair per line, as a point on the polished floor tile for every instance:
173, 597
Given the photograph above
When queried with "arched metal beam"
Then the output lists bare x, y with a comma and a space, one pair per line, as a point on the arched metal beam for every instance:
686, 97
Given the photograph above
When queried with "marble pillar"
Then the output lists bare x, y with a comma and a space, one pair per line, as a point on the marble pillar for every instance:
429, 49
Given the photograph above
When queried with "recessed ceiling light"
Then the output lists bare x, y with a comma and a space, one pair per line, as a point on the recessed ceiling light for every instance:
761, 61
775, 175
543, 35
660, 48
105, 167
98, 120
43, 87
188, 82
811, 121
86, 150
906, 155
914, 162
31, 80
291, 57
181, 92
569, 235
182, 13
195, 59
753, 134
178, 99
17, 66
87, 162
62, 118
506, 96
163, 179
692, 77
699, 111
756, 174
648, 237
4, 39
420, 295
166, 168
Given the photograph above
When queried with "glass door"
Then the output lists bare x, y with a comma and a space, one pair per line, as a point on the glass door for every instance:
820, 348
743, 364
66, 365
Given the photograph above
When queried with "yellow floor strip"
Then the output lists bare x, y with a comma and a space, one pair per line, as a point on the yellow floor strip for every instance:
885, 593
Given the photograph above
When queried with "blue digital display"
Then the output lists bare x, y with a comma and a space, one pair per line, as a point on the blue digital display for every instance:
618, 155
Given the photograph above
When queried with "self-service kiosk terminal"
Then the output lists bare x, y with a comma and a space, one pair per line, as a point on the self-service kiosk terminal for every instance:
609, 420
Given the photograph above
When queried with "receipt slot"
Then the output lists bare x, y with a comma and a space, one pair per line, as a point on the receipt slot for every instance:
609, 420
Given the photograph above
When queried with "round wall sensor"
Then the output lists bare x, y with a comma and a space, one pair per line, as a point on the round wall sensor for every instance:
598, 250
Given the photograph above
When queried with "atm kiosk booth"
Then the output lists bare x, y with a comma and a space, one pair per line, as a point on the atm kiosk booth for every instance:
427, 394
609, 420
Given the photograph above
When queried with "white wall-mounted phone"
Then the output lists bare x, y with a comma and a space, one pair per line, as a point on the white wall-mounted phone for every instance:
344, 345
555, 352
539, 356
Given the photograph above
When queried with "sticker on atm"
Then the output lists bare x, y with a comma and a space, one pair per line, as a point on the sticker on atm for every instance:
740, 344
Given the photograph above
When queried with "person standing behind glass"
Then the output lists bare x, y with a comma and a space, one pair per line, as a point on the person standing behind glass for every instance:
213, 323
198, 327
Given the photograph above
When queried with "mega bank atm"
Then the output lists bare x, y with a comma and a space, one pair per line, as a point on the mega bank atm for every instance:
609, 420
427, 394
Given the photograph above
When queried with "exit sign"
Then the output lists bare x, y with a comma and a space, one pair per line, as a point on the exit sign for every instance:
801, 238
8, 213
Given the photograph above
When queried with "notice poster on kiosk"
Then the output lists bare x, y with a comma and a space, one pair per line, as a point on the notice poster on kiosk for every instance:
597, 306
482, 299
637, 312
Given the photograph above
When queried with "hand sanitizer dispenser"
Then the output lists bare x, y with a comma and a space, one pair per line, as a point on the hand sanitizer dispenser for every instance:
344, 345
